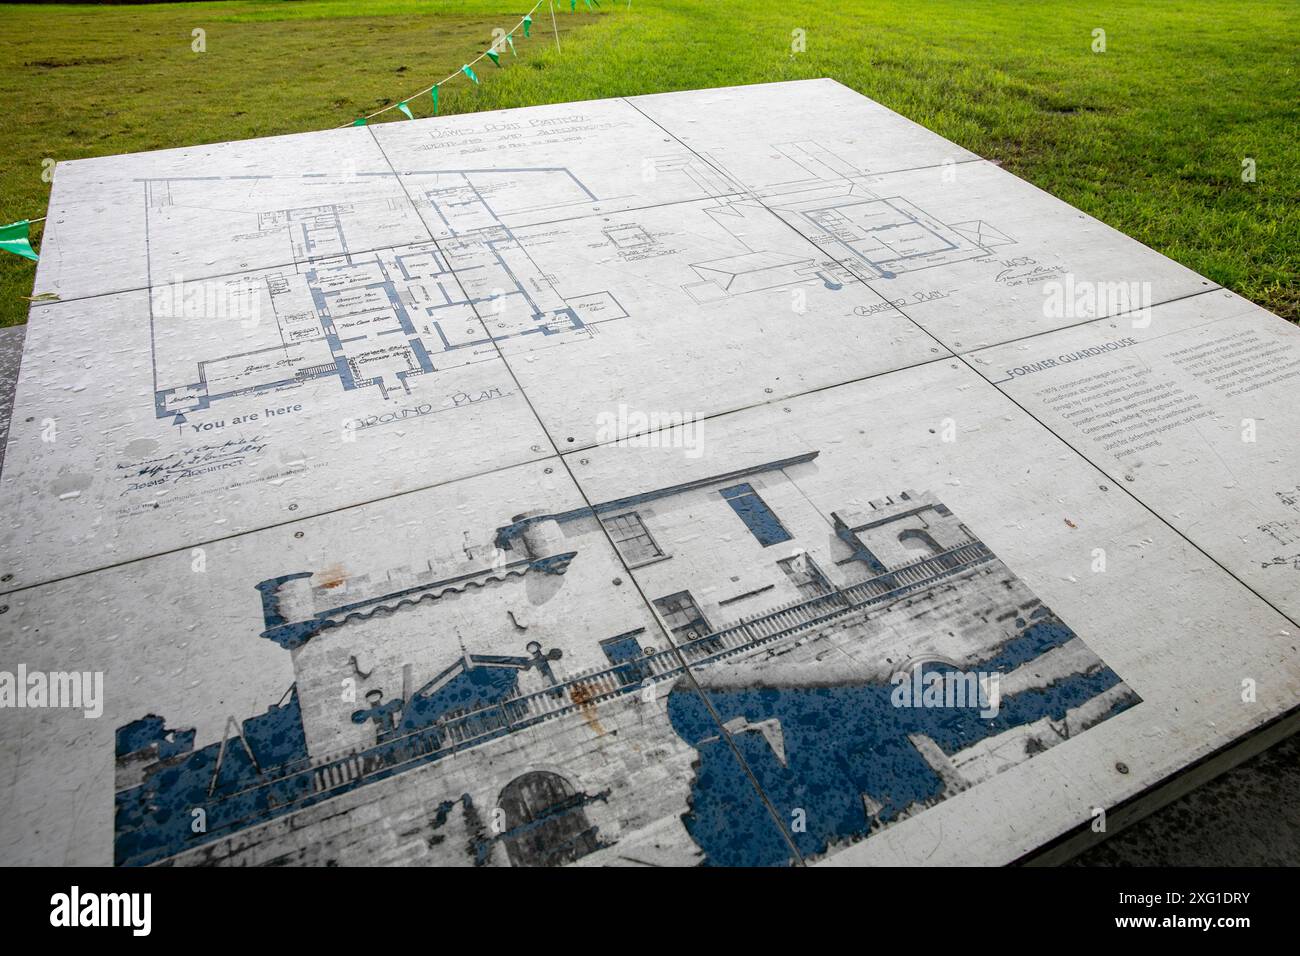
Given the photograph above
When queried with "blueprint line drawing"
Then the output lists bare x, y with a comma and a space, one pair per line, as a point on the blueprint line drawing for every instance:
874, 236
384, 318
380, 319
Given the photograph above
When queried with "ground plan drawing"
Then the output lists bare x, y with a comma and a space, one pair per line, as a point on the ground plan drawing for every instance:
380, 318
737, 477
376, 319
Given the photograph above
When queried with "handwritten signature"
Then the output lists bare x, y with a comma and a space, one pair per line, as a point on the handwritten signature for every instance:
1026, 276
200, 458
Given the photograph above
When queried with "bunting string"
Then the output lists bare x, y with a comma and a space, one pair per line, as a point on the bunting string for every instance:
15, 236
493, 53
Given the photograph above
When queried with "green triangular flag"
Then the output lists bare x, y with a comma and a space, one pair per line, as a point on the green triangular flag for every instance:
528, 25
434, 93
511, 41
494, 56
468, 72
13, 238
405, 109
359, 122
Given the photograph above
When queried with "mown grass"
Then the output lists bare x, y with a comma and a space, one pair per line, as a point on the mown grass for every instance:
1148, 136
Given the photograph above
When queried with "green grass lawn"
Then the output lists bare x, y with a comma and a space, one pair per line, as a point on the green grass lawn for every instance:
1148, 136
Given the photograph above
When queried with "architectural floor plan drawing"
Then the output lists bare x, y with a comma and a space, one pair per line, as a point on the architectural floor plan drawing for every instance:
379, 318
740, 477
374, 319
892, 236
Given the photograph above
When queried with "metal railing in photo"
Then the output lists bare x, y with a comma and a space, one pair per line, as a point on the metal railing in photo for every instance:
783, 621
587, 688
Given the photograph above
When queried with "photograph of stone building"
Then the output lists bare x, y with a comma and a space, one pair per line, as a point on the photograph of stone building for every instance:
515, 703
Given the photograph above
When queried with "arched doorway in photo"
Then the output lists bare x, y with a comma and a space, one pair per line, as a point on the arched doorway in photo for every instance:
546, 824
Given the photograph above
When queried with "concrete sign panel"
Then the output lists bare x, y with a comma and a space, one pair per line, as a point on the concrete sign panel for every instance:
737, 477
